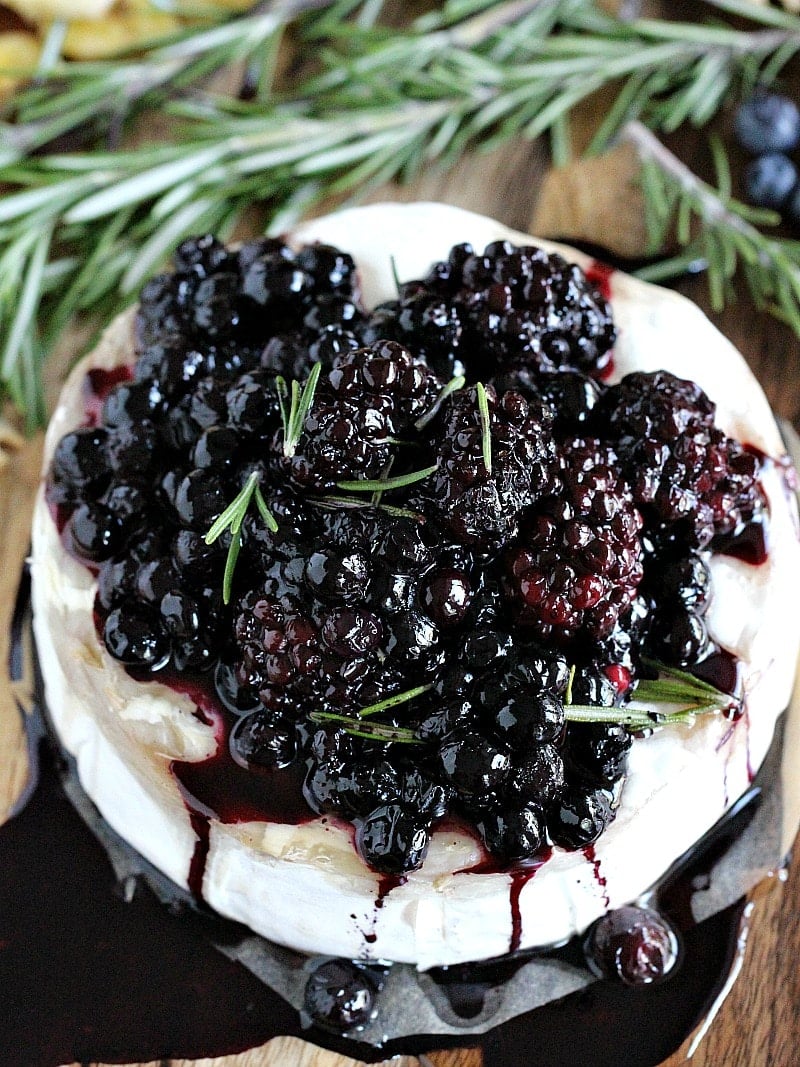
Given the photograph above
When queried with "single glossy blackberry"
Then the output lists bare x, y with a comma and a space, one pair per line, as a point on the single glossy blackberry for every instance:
573, 396
425, 319
576, 565
480, 501
204, 255
681, 469
368, 401
634, 945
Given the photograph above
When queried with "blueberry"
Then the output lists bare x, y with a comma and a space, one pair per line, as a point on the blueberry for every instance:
635, 945
232, 695
513, 835
134, 636
767, 122
769, 180
472, 764
339, 995
392, 839
93, 532
577, 819
264, 741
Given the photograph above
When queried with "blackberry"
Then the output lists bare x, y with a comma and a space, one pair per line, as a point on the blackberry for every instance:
508, 307
370, 398
576, 565
683, 471
480, 502
523, 569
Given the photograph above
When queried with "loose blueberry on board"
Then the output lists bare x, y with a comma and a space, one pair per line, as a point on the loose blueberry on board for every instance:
767, 122
769, 180
635, 945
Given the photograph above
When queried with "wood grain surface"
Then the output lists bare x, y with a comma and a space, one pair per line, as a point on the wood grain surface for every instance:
758, 1023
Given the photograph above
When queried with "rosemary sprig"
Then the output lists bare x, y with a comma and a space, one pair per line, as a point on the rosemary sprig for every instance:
383, 104
372, 731
232, 519
452, 387
358, 727
293, 418
348, 502
710, 225
383, 485
486, 427
673, 687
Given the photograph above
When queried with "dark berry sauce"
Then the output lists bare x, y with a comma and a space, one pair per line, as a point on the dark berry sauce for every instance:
98, 385
600, 274
749, 544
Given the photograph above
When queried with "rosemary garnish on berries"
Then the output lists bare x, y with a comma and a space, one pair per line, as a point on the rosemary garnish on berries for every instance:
231, 519
690, 695
293, 418
486, 427
358, 727
452, 387
383, 485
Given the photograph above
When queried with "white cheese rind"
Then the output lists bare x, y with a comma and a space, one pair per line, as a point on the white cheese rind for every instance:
305, 886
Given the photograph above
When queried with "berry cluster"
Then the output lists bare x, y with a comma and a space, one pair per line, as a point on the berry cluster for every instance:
398, 582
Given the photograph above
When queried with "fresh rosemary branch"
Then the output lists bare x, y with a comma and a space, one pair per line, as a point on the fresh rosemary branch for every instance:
710, 225
232, 519
690, 697
80, 231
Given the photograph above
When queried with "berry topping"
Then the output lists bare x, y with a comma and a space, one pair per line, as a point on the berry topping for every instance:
424, 599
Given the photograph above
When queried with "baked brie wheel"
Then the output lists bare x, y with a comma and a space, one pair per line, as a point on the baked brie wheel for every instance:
375, 748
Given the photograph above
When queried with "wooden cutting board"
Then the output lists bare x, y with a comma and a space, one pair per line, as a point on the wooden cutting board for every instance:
758, 1024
